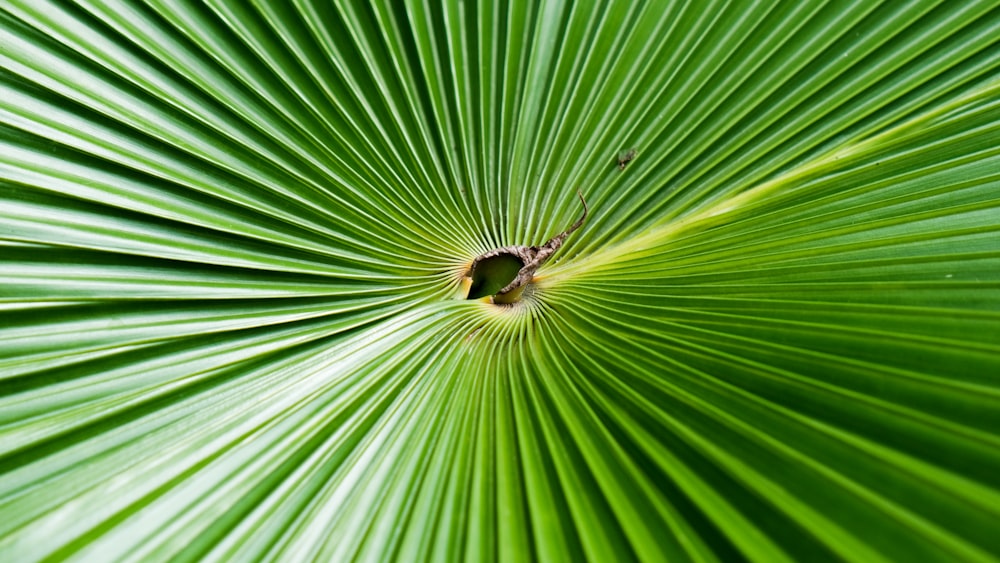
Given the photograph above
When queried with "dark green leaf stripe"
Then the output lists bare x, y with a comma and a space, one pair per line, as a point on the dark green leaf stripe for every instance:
233, 237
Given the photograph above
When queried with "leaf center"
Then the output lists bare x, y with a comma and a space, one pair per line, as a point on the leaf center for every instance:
504, 272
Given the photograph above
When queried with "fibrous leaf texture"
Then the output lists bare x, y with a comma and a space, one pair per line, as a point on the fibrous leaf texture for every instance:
233, 236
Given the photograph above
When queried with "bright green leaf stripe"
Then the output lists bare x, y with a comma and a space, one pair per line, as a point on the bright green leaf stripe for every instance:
231, 236
59, 274
794, 114
863, 215
63, 337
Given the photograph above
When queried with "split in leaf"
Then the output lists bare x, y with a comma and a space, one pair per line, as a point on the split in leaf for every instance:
496, 269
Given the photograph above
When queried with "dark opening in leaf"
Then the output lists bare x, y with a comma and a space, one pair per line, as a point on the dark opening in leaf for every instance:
497, 265
491, 274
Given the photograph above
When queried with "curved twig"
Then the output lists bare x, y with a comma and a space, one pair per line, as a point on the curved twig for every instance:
534, 256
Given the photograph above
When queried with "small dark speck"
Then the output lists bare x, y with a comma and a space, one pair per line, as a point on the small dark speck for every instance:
625, 157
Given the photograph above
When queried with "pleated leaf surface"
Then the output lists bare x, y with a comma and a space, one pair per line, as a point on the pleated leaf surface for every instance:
233, 237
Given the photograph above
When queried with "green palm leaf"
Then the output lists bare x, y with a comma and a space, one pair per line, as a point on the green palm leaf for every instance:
233, 238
